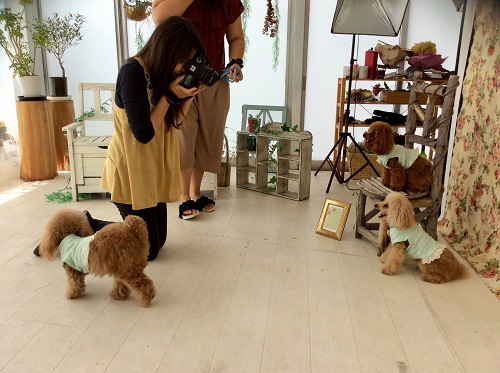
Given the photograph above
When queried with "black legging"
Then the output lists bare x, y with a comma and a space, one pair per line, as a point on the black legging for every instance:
156, 222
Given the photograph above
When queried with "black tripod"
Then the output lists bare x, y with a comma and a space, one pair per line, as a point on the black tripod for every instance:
338, 169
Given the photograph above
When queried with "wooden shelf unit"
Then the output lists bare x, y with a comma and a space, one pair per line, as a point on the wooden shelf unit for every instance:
289, 165
342, 86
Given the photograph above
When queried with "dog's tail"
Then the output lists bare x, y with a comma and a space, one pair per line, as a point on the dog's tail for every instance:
136, 225
456, 269
62, 224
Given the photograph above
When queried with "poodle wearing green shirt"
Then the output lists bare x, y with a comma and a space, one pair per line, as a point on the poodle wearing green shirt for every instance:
404, 169
119, 250
435, 260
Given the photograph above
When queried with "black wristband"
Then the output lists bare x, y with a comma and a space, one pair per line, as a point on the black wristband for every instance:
237, 61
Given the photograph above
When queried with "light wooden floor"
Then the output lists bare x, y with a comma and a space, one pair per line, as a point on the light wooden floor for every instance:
248, 288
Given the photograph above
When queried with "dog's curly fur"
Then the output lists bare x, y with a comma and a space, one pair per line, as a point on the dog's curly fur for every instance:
379, 139
397, 211
119, 250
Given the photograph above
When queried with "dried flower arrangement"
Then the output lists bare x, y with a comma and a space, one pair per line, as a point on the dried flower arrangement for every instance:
424, 47
271, 22
271, 26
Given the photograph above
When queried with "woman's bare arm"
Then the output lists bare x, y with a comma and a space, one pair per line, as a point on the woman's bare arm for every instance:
162, 9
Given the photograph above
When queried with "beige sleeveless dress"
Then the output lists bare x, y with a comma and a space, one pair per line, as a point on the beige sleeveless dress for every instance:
142, 175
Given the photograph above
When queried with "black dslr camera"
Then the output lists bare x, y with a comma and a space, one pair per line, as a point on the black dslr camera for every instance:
199, 71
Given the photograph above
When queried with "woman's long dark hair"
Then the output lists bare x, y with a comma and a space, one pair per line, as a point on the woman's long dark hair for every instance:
173, 41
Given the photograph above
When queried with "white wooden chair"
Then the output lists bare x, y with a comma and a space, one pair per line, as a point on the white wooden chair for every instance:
88, 140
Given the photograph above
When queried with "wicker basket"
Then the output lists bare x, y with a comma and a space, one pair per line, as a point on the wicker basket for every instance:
355, 161
224, 175
136, 13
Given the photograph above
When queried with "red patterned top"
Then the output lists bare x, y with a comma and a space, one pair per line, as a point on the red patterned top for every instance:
211, 21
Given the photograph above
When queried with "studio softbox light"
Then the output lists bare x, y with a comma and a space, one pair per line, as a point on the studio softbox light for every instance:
360, 17
365, 17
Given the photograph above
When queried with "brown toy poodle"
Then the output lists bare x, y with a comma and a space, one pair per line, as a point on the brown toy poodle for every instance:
435, 260
119, 250
404, 169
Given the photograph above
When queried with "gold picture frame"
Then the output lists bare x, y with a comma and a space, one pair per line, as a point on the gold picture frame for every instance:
333, 218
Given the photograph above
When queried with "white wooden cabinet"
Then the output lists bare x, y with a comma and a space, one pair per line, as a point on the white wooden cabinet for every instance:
280, 164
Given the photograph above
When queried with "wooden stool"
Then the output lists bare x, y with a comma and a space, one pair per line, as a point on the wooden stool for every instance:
63, 113
36, 137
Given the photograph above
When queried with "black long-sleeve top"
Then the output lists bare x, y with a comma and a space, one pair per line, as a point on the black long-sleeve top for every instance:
132, 95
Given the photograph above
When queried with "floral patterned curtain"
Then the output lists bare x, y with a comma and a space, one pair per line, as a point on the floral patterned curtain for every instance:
472, 213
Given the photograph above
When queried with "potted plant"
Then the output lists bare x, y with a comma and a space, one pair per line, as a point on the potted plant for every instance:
56, 34
253, 124
137, 10
13, 28
3, 132
253, 127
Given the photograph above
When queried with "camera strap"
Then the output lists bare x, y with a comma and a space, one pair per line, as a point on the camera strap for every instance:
225, 73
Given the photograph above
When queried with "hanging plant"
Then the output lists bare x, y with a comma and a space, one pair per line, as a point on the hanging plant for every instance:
271, 26
139, 37
245, 16
137, 10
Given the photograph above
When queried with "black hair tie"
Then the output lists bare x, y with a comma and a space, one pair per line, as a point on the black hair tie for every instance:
237, 61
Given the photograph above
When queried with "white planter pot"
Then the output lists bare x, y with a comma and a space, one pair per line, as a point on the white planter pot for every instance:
31, 86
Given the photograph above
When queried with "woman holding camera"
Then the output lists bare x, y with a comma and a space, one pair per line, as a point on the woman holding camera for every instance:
142, 167
202, 133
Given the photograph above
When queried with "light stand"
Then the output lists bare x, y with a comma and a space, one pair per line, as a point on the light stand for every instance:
338, 169
360, 17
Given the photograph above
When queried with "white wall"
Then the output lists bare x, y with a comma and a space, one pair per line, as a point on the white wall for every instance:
435, 20
94, 59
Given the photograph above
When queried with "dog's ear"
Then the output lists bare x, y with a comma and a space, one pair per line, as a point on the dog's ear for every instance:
385, 138
135, 223
400, 211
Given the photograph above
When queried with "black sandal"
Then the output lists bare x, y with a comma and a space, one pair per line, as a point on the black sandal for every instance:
185, 206
204, 201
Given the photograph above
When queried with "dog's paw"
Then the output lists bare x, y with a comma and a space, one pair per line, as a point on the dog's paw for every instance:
388, 271
119, 292
72, 293
148, 296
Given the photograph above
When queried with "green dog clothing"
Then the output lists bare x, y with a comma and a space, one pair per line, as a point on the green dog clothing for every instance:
74, 252
405, 156
422, 246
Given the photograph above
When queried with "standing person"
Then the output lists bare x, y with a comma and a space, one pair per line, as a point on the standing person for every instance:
202, 133
142, 167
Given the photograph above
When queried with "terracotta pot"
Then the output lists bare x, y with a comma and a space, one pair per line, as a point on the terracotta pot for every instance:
251, 123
